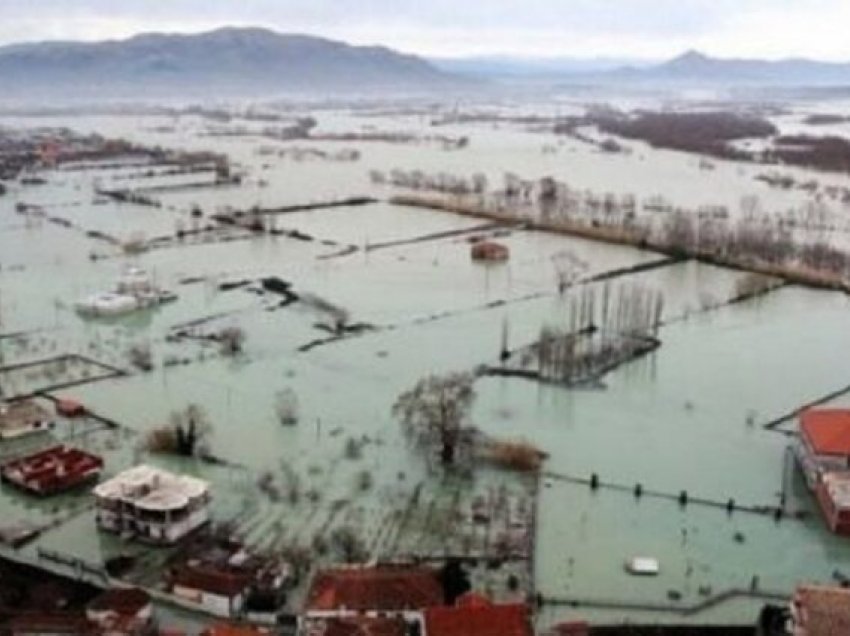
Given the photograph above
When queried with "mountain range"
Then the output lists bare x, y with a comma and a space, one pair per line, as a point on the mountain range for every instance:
696, 67
225, 62
255, 62
688, 68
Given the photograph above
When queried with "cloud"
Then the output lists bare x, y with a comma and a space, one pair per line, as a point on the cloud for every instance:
581, 28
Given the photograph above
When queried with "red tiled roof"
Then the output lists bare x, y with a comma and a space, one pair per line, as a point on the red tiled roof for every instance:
823, 611
232, 629
50, 623
52, 469
827, 430
356, 626
228, 584
129, 601
479, 620
375, 588
472, 599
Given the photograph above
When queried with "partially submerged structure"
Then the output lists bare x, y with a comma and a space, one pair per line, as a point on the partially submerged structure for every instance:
226, 580
152, 505
823, 453
23, 418
52, 470
134, 290
489, 252
824, 443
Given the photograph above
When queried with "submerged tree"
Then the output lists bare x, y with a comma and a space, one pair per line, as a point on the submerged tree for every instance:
186, 434
191, 429
434, 411
232, 340
286, 406
348, 545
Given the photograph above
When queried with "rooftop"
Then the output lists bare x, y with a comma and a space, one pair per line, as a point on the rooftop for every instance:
212, 580
47, 467
153, 489
232, 629
479, 618
375, 588
356, 626
822, 610
827, 430
126, 601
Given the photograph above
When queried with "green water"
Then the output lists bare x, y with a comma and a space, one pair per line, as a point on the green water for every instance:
675, 420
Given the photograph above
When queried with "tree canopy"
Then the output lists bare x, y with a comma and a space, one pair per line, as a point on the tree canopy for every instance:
434, 412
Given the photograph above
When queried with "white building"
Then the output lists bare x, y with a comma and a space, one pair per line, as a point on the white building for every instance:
152, 505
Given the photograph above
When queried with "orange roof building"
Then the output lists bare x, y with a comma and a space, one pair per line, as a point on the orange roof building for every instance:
823, 452
474, 617
356, 626
381, 588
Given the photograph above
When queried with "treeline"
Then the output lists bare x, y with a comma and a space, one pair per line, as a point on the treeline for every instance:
712, 133
707, 132
789, 246
823, 153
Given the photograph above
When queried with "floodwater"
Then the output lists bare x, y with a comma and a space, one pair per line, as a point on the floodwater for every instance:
686, 417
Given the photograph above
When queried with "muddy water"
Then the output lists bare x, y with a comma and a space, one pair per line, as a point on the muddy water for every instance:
676, 420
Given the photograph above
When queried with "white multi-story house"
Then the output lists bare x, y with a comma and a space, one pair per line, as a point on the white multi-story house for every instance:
152, 505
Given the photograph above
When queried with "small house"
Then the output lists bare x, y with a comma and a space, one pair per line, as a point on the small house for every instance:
218, 592
68, 407
489, 252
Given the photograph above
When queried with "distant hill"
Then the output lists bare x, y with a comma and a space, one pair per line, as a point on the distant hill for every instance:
508, 66
224, 62
694, 67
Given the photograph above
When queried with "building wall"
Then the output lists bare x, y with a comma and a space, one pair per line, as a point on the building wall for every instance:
222, 606
157, 532
813, 465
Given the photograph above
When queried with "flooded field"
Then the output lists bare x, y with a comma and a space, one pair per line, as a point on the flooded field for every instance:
379, 295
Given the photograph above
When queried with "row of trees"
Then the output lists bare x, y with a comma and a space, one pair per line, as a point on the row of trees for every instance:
596, 332
795, 237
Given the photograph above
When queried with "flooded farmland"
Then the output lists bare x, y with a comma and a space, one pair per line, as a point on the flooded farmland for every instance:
645, 460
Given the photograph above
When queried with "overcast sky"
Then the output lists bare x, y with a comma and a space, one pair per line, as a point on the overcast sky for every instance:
651, 29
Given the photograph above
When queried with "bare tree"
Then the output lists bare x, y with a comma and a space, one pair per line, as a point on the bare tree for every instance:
186, 434
434, 411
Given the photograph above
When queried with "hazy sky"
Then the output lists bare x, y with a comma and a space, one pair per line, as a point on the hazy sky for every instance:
576, 28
